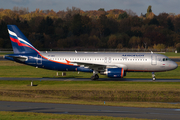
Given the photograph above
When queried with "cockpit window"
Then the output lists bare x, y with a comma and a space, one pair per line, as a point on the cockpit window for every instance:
166, 59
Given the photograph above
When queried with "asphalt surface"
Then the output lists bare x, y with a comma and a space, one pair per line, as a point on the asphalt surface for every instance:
175, 59
88, 79
1, 58
130, 112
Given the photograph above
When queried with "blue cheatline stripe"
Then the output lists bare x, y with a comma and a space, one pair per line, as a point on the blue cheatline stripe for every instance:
12, 36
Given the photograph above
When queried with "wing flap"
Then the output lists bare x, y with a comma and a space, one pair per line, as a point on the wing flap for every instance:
90, 65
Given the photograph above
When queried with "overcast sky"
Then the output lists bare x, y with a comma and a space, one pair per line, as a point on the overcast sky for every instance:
137, 6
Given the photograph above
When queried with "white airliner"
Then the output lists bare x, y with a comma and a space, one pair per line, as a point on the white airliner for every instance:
114, 65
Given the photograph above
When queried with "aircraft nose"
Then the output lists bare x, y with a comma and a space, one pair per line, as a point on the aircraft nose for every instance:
174, 65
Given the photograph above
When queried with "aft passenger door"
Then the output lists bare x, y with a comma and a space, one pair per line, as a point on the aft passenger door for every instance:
107, 60
39, 60
153, 60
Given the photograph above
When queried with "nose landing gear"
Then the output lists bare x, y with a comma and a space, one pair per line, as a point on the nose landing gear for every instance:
153, 76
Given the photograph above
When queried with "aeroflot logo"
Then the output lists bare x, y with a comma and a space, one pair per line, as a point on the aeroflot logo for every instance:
14, 35
20, 41
133, 55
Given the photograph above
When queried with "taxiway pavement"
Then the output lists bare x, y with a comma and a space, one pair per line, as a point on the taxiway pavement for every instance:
130, 112
88, 79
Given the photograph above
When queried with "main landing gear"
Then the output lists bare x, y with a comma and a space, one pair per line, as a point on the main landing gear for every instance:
153, 76
95, 75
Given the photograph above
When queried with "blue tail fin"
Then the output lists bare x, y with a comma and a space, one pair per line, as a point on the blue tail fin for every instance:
19, 42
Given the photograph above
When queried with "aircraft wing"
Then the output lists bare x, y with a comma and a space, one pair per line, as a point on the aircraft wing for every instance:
90, 65
99, 67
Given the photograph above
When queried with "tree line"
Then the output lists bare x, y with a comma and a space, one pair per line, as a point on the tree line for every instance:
78, 29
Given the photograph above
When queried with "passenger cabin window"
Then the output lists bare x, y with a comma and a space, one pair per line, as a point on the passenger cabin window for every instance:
166, 59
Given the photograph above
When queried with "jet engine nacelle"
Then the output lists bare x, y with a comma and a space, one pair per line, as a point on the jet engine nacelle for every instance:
115, 72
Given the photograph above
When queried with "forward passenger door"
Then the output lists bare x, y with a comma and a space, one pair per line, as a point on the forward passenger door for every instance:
153, 60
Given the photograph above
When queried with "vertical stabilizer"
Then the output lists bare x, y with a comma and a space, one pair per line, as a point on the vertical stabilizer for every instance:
20, 43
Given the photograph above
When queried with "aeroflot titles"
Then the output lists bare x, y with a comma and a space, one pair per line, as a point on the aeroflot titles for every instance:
133, 55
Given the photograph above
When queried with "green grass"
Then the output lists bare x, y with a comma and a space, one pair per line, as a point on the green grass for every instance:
31, 72
4, 53
12, 69
115, 93
171, 54
92, 85
174, 74
48, 116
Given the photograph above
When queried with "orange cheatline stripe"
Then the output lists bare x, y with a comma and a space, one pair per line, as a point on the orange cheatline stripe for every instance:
68, 63
122, 72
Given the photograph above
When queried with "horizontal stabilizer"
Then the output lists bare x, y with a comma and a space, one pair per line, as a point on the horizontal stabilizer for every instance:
16, 58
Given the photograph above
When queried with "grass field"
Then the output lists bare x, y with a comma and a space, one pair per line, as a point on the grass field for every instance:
4, 53
115, 93
171, 54
47, 116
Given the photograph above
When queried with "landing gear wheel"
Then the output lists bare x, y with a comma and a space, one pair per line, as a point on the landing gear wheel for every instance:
153, 76
95, 77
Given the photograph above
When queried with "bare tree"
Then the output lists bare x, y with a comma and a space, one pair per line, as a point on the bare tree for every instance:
130, 12
73, 11
21, 10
